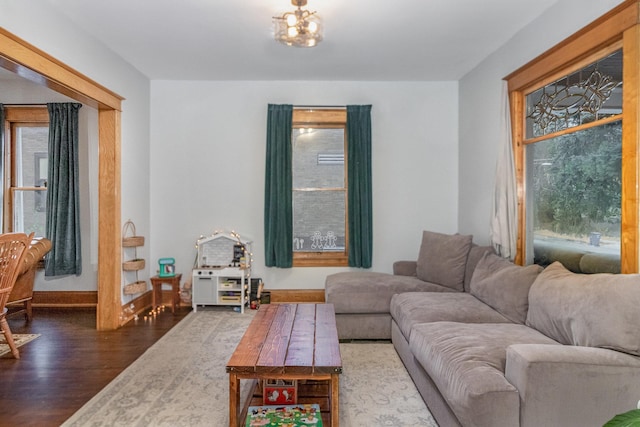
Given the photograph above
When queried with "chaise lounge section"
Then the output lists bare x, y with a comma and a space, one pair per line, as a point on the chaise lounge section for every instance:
362, 299
504, 345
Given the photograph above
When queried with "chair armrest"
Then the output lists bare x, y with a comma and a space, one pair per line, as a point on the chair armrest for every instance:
571, 385
405, 268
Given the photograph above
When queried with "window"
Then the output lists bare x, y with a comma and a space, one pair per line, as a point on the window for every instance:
319, 187
328, 155
575, 134
25, 169
574, 159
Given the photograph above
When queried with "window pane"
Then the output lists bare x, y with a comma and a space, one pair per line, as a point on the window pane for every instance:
319, 221
574, 193
29, 209
318, 213
31, 156
318, 158
31, 160
589, 94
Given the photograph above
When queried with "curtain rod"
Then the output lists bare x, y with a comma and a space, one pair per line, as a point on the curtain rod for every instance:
25, 105
342, 107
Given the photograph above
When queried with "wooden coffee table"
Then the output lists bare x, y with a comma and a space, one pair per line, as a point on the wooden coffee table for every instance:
288, 341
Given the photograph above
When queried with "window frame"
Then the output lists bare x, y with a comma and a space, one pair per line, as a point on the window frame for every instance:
324, 118
618, 29
17, 117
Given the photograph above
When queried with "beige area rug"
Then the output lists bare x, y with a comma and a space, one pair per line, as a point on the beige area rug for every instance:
181, 381
18, 339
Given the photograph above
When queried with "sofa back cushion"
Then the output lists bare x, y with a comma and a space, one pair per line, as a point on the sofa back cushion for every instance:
475, 254
442, 259
592, 310
504, 285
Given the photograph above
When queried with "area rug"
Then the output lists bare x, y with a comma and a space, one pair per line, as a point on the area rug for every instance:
18, 339
181, 381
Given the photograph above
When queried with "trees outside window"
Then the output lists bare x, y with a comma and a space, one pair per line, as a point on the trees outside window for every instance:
576, 184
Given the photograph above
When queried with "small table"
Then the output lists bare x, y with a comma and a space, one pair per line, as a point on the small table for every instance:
156, 293
288, 341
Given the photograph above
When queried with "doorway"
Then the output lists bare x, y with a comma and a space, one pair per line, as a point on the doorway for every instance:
19, 57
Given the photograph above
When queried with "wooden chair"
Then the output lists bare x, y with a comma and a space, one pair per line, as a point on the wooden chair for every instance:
13, 248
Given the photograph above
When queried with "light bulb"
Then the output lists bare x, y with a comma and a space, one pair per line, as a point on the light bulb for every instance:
291, 20
292, 31
313, 27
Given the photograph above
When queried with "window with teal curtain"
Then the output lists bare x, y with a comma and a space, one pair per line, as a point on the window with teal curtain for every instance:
63, 204
278, 215
359, 185
278, 227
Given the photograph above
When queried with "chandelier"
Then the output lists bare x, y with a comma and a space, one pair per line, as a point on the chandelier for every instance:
299, 28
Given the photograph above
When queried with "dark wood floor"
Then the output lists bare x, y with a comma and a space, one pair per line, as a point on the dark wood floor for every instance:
69, 363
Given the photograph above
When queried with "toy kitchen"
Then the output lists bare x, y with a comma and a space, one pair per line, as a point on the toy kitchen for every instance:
222, 275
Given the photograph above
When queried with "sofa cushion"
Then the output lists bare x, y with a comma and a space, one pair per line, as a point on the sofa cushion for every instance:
475, 254
594, 310
411, 308
467, 363
371, 292
504, 286
442, 259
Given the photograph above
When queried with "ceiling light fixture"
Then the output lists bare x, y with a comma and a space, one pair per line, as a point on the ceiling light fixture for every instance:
299, 28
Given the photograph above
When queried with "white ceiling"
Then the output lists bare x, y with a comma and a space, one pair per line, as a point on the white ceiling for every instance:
364, 39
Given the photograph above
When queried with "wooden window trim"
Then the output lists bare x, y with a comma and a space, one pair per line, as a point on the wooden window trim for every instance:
619, 27
574, 129
323, 118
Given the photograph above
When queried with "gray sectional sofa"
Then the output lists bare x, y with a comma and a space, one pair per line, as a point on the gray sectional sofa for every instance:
490, 343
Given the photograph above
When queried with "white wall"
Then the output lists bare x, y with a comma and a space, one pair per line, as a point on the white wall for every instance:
480, 92
203, 168
208, 155
40, 24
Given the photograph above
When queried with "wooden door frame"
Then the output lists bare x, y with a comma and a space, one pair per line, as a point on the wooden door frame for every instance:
29, 62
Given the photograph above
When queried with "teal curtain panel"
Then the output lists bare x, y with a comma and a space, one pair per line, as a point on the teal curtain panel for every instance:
359, 185
63, 204
278, 213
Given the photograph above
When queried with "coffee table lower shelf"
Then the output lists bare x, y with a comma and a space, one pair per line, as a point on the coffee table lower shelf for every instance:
309, 392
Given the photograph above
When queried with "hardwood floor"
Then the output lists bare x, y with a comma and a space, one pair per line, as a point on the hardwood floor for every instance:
69, 363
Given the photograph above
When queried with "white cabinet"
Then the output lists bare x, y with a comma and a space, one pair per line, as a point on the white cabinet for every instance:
220, 286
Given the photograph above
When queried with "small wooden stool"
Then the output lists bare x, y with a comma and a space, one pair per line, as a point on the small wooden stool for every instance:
156, 283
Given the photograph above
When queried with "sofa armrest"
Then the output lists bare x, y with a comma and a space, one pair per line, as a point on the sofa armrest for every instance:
405, 268
570, 385
39, 247
23, 288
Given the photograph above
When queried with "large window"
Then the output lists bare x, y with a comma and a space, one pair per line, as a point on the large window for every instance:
25, 170
575, 131
318, 207
574, 163
319, 179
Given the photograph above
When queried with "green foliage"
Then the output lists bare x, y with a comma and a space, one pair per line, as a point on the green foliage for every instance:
628, 419
579, 183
